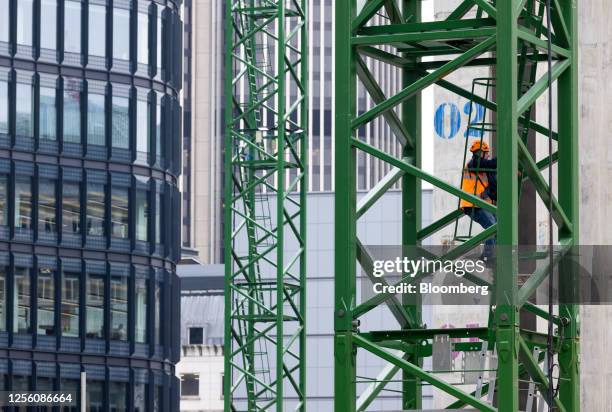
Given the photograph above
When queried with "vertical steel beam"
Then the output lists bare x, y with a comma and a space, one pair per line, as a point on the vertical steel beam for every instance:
280, 204
568, 188
506, 314
303, 189
227, 216
345, 399
265, 204
411, 207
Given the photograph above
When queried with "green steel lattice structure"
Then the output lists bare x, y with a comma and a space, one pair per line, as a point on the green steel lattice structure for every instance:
265, 221
506, 35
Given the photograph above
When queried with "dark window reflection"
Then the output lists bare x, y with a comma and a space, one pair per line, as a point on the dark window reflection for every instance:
95, 396
46, 206
71, 207
118, 397
70, 304
119, 307
190, 385
21, 308
119, 212
95, 306
23, 202
46, 301
71, 386
95, 209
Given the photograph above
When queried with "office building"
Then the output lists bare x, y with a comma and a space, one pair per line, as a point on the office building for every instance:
89, 204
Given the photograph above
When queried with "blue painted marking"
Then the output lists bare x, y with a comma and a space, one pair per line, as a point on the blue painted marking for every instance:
477, 117
454, 121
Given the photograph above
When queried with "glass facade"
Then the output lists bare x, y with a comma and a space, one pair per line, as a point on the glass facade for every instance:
89, 162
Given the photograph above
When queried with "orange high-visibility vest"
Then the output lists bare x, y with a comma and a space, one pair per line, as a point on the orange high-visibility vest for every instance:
474, 184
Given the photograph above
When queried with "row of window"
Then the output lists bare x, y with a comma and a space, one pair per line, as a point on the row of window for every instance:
101, 209
146, 389
103, 120
114, 302
136, 37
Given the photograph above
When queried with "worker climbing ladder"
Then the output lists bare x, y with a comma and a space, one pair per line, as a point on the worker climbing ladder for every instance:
511, 37
265, 218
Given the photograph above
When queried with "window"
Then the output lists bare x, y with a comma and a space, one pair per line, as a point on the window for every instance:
159, 39
3, 106
95, 209
95, 119
95, 306
24, 22
23, 202
46, 301
159, 211
119, 307
95, 396
142, 286
142, 126
4, 21
72, 114
119, 212
97, 30
121, 34
158, 130
70, 304
71, 208
196, 336
143, 38
140, 397
24, 120
118, 396
3, 200
142, 215
48, 114
3, 297
157, 398
46, 206
48, 24
21, 305
190, 385
44, 383
158, 308
69, 385
121, 122
72, 25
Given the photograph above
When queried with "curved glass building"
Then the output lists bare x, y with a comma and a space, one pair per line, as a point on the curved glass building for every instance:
89, 205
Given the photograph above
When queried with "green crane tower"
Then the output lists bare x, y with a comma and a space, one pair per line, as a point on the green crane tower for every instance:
509, 36
265, 205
